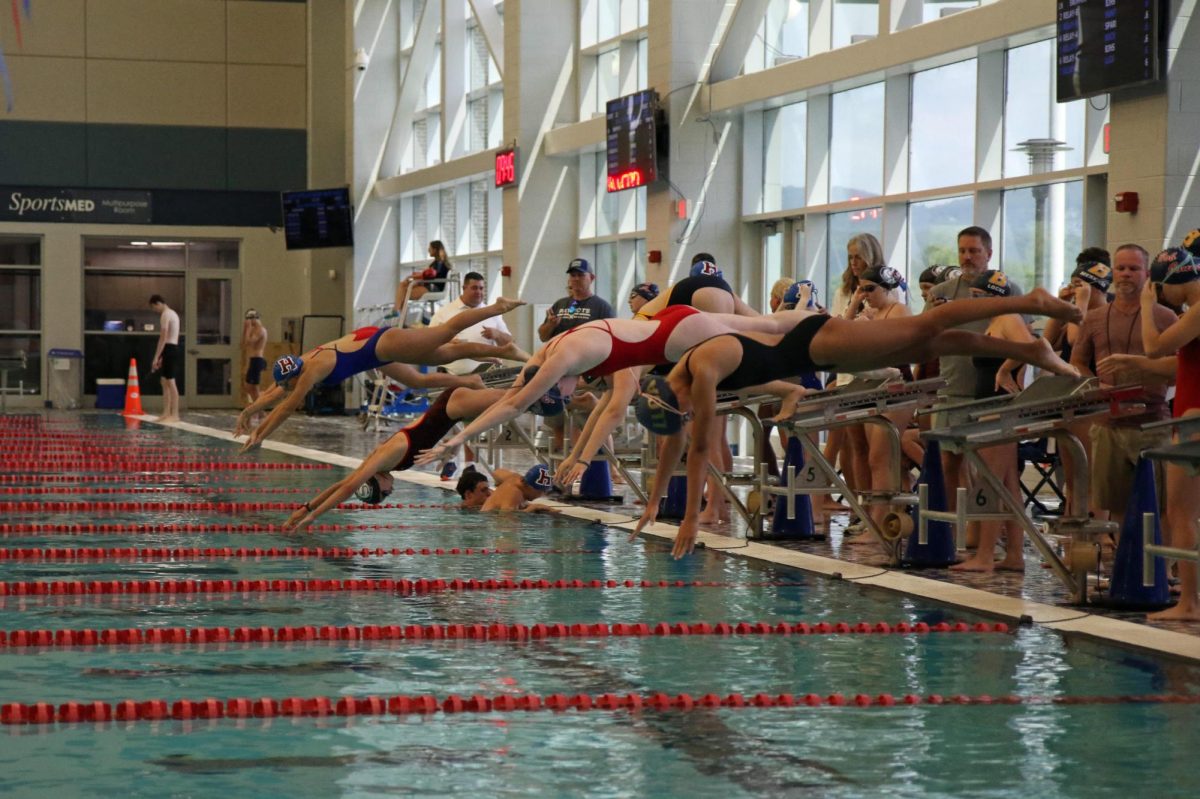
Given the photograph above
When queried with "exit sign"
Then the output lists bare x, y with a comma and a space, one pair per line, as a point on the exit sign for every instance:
506, 168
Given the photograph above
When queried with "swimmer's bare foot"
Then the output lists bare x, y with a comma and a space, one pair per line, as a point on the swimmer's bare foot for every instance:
1184, 610
165, 419
1014, 565
1042, 356
974, 565
1047, 304
504, 304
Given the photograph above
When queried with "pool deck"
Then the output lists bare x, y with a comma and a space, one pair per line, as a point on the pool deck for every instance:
1034, 596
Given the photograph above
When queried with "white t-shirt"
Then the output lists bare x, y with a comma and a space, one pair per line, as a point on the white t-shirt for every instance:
168, 323
473, 333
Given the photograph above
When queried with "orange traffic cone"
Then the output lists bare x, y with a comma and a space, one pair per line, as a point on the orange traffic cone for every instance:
133, 394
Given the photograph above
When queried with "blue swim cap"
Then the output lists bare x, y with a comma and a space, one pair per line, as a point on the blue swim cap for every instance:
1173, 266
705, 268
552, 403
658, 407
792, 295
287, 367
539, 478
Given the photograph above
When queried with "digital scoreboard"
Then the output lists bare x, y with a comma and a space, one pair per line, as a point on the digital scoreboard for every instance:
318, 218
632, 140
506, 168
1107, 44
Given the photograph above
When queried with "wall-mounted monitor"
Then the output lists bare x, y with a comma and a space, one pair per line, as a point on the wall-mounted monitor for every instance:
318, 218
1104, 45
631, 123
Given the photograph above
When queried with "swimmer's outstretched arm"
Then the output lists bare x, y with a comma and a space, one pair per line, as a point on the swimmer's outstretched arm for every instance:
668, 461
703, 401
514, 402
606, 417
386, 455
265, 400
776, 324
294, 399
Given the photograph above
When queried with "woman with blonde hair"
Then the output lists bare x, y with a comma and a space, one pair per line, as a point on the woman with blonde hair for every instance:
849, 444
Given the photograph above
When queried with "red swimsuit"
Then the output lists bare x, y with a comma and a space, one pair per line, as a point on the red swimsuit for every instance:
651, 351
1187, 378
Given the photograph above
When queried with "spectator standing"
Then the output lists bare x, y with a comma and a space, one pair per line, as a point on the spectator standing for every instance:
254, 344
580, 306
1109, 345
166, 357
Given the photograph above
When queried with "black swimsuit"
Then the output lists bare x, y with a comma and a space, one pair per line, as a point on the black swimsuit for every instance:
683, 291
762, 363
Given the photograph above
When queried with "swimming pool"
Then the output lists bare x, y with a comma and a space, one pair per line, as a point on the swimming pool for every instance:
1044, 745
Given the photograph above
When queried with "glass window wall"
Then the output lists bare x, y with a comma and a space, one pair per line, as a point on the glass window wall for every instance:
785, 132
1031, 115
856, 144
854, 21
942, 140
1043, 232
933, 232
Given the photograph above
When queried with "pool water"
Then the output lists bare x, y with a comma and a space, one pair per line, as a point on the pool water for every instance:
1033, 749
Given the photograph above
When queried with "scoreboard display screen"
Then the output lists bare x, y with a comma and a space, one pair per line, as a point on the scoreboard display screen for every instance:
632, 141
1107, 44
318, 218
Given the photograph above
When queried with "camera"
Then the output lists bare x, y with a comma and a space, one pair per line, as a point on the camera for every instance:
361, 59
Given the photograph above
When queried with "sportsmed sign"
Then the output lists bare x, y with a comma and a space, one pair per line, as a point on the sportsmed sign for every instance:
32, 204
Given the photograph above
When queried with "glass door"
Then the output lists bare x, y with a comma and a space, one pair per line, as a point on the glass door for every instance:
213, 360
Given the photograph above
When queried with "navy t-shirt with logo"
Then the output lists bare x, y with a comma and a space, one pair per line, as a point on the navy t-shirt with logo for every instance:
573, 313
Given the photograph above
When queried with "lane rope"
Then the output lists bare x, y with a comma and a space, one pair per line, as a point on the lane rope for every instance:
401, 705
256, 553
404, 586
39, 640
95, 506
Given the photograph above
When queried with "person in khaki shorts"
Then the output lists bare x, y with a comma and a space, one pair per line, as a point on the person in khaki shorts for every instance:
1110, 337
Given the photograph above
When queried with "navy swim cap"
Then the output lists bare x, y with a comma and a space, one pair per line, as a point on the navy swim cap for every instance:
552, 403
287, 367
1191, 243
1173, 266
792, 295
658, 407
884, 276
1095, 274
705, 268
994, 282
539, 478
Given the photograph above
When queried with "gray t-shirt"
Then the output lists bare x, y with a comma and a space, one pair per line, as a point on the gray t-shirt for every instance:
573, 313
958, 370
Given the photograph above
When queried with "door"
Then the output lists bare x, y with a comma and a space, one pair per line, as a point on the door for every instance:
213, 329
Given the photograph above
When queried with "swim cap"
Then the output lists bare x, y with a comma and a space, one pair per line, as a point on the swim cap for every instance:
939, 273
705, 268
371, 492
1095, 274
647, 291
1173, 266
1191, 243
287, 367
539, 478
549, 404
884, 276
251, 313
658, 407
994, 282
792, 295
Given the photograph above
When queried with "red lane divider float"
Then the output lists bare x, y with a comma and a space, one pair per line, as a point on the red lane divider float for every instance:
41, 506
401, 705
239, 529
404, 587
110, 478
122, 490
255, 553
45, 639
95, 464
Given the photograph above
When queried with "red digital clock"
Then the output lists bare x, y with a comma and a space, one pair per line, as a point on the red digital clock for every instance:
506, 168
